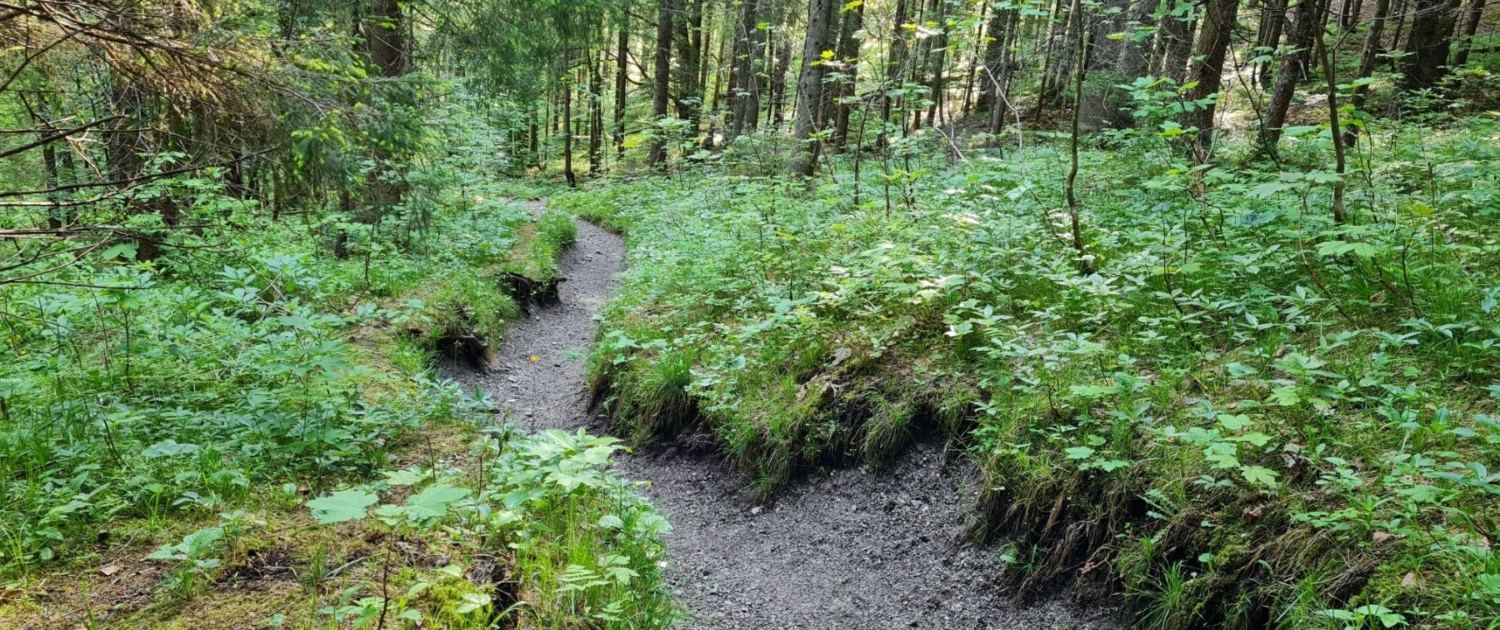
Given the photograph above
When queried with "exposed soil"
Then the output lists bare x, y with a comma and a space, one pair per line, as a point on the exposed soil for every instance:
851, 549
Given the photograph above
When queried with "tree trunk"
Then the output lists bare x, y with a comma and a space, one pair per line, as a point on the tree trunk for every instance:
622, 56
894, 64
687, 29
1272, 20
776, 114
995, 36
848, 54
661, 92
1427, 45
1368, 56
1058, 67
1293, 68
1466, 34
1177, 41
596, 115
1085, 261
1400, 13
938, 64
1208, 70
567, 115
1104, 60
810, 86
386, 33
745, 83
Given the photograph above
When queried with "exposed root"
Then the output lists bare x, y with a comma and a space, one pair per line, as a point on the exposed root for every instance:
529, 292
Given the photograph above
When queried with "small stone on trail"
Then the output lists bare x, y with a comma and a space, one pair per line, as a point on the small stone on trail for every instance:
755, 511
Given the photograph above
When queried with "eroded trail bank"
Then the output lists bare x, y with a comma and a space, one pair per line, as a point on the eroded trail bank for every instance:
850, 549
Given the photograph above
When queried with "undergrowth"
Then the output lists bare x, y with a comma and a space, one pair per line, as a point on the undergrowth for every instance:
1249, 416
164, 421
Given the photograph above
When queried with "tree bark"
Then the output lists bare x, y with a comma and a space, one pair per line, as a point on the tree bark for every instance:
661, 92
938, 65
687, 30
567, 115
1427, 45
1085, 262
894, 64
1368, 56
596, 115
1472, 16
1177, 40
776, 113
745, 83
848, 55
1213, 45
1104, 59
1272, 22
622, 55
1306, 24
996, 34
810, 86
386, 34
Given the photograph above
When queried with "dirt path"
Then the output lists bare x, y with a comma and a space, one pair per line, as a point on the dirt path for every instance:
850, 550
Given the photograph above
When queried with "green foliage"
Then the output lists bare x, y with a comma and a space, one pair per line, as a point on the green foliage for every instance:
1265, 413
585, 543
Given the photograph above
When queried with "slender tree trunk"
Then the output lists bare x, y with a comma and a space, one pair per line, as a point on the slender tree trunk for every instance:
1472, 16
1293, 68
1335, 133
534, 143
972, 74
810, 85
1057, 74
1368, 57
895, 62
938, 58
745, 77
1400, 12
1006, 72
1272, 20
1085, 262
661, 93
622, 56
779, 81
567, 115
596, 115
1213, 45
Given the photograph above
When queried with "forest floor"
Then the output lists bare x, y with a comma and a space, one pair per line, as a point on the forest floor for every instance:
850, 548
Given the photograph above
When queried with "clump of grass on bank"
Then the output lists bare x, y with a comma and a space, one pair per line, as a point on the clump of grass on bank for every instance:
1249, 416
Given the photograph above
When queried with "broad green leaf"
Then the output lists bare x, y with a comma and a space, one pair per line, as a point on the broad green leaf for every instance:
1079, 452
434, 501
345, 505
1259, 475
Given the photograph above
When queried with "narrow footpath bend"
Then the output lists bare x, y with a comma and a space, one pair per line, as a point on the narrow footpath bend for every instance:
852, 550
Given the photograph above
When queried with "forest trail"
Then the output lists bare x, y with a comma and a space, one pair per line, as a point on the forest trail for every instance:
850, 550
